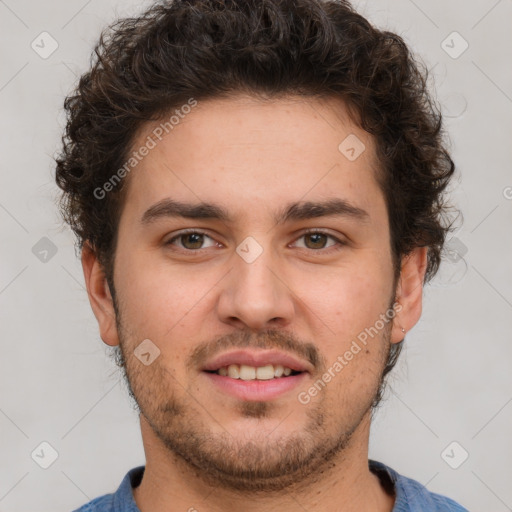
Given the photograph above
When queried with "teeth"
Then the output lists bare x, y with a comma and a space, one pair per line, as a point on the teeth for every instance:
245, 372
265, 372
234, 371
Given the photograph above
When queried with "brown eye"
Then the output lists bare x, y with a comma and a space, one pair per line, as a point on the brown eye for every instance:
191, 240
318, 240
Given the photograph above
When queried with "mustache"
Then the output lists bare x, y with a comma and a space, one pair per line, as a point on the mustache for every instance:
268, 339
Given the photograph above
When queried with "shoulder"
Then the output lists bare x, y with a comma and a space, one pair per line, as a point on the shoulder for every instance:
410, 495
120, 500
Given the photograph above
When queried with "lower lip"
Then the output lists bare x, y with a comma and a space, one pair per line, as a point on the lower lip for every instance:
255, 390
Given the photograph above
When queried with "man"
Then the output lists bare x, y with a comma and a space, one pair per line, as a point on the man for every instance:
257, 191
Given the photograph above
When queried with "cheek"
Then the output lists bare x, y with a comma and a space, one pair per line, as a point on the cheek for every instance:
348, 297
165, 304
351, 303
155, 296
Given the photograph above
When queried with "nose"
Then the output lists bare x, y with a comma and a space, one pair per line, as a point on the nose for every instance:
255, 294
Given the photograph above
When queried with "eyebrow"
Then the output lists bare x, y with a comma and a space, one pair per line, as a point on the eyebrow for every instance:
302, 210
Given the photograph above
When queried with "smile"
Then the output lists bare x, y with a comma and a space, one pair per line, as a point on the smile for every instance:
246, 372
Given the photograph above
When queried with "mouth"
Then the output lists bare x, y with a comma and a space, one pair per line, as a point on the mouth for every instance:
246, 372
261, 375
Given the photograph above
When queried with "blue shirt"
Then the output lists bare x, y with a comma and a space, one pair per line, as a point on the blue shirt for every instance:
410, 495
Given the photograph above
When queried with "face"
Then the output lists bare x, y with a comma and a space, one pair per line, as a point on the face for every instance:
284, 271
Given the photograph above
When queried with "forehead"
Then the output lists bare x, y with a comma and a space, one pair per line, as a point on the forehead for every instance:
243, 151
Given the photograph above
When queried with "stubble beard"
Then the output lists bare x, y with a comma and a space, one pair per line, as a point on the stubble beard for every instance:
256, 464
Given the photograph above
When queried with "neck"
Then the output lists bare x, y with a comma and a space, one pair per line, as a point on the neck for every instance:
169, 484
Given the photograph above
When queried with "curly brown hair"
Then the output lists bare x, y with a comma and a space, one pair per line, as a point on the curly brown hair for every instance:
146, 66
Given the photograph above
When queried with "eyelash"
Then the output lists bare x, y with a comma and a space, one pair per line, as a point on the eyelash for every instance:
339, 246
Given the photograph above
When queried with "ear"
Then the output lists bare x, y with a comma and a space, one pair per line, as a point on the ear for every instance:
409, 293
99, 295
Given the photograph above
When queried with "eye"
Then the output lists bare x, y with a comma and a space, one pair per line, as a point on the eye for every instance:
191, 240
316, 240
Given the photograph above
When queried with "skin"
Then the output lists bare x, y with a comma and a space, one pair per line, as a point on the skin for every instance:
208, 450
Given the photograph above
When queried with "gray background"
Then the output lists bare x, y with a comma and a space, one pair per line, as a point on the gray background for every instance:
56, 382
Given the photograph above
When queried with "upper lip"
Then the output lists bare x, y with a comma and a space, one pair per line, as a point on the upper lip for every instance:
257, 358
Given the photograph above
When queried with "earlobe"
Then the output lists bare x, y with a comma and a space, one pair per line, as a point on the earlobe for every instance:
99, 294
409, 293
